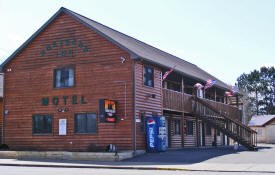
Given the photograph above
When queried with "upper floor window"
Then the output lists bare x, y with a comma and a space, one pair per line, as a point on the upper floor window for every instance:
148, 76
64, 77
172, 85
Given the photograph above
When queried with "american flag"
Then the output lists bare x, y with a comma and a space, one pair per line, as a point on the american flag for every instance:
209, 83
233, 89
167, 73
198, 86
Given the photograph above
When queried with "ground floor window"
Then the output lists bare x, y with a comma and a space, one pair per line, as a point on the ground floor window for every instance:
218, 132
189, 127
85, 123
42, 124
177, 127
208, 130
260, 131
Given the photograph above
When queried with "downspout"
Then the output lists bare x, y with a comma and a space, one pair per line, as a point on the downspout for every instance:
3, 112
134, 115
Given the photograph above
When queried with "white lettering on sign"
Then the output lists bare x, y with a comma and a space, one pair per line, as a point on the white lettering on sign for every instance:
151, 138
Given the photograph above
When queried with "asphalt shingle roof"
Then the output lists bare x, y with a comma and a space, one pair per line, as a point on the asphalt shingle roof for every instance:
137, 49
260, 120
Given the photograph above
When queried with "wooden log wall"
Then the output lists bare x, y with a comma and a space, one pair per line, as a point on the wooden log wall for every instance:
145, 102
1, 116
99, 74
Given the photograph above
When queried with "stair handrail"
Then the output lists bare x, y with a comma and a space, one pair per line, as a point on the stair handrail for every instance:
228, 118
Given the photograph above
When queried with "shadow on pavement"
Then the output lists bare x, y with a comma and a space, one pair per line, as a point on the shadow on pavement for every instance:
183, 156
264, 147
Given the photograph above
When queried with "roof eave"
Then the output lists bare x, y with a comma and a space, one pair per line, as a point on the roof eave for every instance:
42, 28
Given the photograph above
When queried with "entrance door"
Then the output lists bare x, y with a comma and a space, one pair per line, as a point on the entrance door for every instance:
176, 131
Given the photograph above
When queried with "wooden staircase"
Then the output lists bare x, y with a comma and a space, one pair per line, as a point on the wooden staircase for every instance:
225, 123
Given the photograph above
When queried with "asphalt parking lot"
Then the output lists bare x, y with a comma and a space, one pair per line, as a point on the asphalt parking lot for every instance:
210, 155
222, 159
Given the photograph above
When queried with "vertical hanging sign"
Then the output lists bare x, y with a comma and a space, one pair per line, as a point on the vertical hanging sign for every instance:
108, 110
62, 126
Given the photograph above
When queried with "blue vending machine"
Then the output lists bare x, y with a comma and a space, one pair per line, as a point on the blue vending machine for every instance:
155, 134
162, 134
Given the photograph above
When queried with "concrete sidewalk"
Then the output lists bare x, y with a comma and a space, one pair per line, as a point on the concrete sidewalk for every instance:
224, 160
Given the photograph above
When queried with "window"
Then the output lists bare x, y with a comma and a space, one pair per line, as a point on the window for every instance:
177, 127
208, 130
64, 77
218, 132
189, 125
172, 85
42, 124
148, 76
85, 123
260, 131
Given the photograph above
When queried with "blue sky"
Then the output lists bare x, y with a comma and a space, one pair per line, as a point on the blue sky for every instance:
224, 37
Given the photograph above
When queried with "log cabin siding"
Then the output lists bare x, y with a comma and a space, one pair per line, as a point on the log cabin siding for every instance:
1, 118
144, 101
96, 73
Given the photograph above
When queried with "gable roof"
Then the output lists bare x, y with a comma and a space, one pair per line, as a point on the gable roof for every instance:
260, 120
137, 49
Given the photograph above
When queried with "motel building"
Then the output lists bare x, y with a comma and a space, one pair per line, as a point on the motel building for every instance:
79, 85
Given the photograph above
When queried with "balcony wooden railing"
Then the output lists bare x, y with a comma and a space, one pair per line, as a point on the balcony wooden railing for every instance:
172, 100
177, 101
221, 116
224, 109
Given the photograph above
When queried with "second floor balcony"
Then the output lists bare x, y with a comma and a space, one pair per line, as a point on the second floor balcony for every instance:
182, 102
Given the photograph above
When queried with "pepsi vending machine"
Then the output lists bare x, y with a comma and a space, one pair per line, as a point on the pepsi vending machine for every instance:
155, 134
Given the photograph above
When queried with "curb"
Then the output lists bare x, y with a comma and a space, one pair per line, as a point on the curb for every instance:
88, 166
129, 168
64, 155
